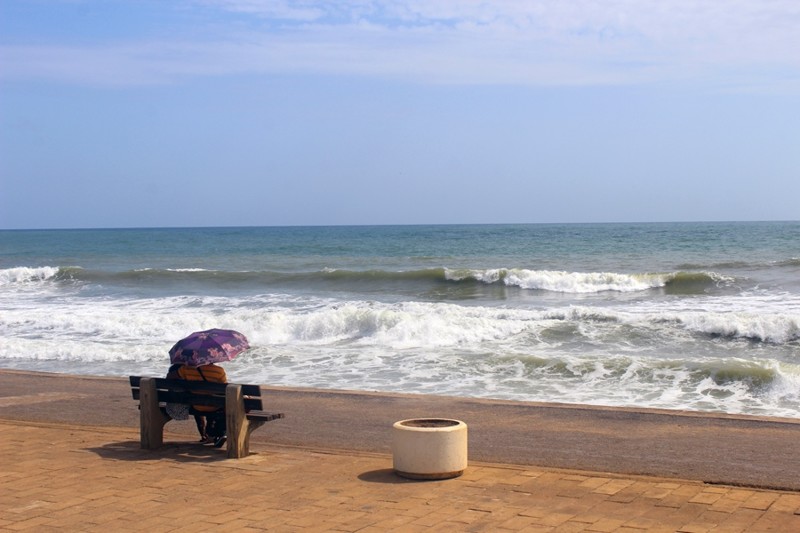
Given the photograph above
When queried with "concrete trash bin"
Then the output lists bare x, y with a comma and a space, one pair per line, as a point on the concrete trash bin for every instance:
429, 448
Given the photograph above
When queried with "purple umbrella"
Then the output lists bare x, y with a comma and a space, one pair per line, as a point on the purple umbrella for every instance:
210, 346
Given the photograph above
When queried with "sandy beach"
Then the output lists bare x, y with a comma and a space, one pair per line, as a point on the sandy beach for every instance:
74, 463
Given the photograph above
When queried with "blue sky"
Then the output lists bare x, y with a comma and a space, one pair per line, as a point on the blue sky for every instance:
144, 113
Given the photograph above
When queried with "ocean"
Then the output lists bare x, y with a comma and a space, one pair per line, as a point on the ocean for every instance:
695, 316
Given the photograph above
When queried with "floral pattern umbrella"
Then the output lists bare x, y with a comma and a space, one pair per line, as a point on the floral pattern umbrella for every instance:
210, 346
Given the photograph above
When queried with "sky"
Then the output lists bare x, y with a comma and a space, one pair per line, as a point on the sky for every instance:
123, 113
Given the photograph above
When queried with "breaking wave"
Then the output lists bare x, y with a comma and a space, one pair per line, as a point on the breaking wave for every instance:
768, 328
26, 275
544, 280
591, 282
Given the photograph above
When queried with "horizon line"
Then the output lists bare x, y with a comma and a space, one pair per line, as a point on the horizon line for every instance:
416, 224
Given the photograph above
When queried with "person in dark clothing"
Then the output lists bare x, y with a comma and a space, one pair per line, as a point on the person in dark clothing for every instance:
200, 420
215, 417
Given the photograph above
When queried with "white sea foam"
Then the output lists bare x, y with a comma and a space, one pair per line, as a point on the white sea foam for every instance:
18, 275
397, 326
561, 281
613, 355
776, 329
772, 318
580, 282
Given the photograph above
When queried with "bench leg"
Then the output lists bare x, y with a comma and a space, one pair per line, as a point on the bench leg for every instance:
239, 427
238, 436
151, 418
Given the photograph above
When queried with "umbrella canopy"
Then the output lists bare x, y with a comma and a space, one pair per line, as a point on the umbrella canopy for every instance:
210, 346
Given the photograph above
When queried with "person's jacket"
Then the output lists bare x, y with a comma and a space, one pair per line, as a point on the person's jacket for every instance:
212, 373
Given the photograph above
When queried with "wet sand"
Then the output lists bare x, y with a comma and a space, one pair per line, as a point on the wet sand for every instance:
726, 449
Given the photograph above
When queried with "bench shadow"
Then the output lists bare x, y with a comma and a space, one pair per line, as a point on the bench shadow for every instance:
180, 451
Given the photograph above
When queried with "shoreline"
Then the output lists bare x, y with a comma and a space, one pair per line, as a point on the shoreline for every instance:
740, 450
477, 399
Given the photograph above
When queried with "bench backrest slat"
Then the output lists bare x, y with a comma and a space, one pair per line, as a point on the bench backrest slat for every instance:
210, 386
198, 392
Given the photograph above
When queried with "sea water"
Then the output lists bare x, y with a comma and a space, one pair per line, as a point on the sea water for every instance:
698, 316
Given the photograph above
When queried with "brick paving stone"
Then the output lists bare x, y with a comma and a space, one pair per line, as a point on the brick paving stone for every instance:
97, 480
547, 478
660, 516
537, 529
657, 493
624, 511
633, 491
640, 524
726, 505
605, 525
31, 524
674, 501
776, 522
707, 497
594, 482
435, 517
516, 479
740, 494
502, 515
729, 528
570, 526
393, 521
643, 523
688, 490
575, 477
553, 519
761, 501
713, 517
697, 527
613, 487
463, 519
533, 512
517, 523
787, 503
587, 518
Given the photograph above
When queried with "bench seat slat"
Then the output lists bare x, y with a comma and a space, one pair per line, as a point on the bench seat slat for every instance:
251, 404
266, 417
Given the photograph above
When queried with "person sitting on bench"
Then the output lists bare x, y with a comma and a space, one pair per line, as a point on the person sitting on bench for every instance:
180, 412
215, 418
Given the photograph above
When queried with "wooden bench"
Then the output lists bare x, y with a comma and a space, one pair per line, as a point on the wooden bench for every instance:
242, 404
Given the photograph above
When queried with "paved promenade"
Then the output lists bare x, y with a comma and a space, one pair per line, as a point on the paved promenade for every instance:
68, 478
71, 462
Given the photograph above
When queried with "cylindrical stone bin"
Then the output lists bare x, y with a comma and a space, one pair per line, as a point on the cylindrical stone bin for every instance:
429, 448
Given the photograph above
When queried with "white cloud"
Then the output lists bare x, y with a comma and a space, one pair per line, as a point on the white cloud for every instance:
727, 43
278, 9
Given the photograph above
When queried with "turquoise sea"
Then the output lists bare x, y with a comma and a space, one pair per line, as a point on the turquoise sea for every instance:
698, 316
